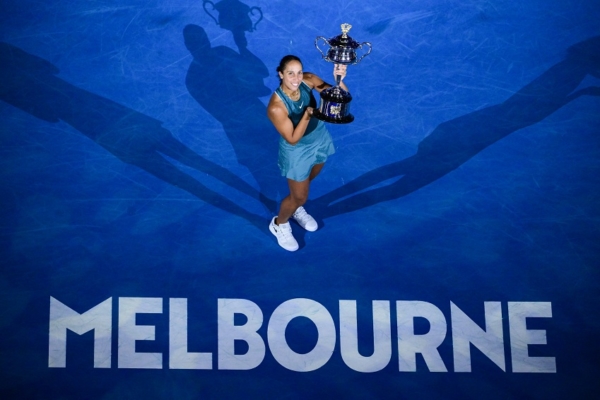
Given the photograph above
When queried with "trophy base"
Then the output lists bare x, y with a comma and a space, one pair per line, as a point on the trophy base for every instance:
333, 120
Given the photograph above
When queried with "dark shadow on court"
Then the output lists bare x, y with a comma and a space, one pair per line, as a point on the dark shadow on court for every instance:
228, 84
30, 83
455, 142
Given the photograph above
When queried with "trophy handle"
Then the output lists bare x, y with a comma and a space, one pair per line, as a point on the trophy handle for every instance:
208, 12
259, 18
317, 46
367, 53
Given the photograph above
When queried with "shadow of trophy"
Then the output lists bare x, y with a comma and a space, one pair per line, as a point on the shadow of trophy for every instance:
236, 17
335, 101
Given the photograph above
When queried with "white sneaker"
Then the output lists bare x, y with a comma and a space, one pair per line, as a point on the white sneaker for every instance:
283, 233
305, 220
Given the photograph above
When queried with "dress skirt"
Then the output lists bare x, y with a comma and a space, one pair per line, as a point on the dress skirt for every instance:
296, 162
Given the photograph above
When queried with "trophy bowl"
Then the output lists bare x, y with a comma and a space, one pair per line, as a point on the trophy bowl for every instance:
342, 48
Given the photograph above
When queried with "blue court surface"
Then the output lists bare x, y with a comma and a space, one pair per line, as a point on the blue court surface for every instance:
459, 243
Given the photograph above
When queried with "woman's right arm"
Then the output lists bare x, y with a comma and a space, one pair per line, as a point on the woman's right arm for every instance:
278, 115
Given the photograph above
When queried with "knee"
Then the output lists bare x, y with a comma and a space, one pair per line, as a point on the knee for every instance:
299, 192
300, 199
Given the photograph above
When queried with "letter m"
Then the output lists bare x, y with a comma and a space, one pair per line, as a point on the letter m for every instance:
98, 319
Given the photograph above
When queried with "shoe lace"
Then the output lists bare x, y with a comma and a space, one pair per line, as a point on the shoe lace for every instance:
287, 232
300, 213
283, 232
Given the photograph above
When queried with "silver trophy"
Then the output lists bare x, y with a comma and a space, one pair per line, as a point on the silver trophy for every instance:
335, 101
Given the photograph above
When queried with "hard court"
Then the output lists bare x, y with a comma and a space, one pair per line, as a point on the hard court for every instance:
457, 255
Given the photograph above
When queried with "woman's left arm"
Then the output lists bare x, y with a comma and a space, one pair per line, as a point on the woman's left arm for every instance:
317, 83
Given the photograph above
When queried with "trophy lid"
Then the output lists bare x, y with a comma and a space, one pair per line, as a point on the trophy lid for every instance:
344, 40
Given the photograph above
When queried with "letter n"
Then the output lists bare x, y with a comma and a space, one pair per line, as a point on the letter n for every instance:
98, 319
465, 332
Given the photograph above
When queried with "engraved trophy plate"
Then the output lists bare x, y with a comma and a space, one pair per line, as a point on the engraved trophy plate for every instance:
335, 101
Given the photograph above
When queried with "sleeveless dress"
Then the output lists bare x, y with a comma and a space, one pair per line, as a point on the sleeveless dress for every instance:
296, 161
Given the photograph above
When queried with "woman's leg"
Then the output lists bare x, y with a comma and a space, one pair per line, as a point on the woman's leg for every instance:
316, 169
298, 195
296, 198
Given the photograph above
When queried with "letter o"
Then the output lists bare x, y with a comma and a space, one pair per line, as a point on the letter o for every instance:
326, 335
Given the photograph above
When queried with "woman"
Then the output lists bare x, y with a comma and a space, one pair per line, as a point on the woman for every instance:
304, 144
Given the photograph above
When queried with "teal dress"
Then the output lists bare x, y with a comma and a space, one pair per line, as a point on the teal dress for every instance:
296, 161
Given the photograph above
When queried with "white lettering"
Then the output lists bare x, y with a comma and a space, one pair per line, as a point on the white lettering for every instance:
280, 349
421, 329
98, 319
130, 332
382, 337
466, 332
521, 337
409, 344
179, 358
229, 333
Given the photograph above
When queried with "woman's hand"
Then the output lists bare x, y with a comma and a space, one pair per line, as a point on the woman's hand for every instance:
339, 70
309, 112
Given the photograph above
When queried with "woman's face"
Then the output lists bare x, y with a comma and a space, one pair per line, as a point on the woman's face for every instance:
291, 77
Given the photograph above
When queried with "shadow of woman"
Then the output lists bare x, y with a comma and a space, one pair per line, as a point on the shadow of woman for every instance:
228, 85
30, 83
454, 142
